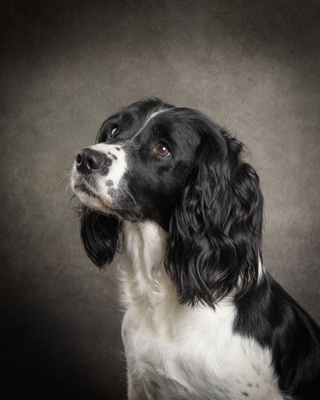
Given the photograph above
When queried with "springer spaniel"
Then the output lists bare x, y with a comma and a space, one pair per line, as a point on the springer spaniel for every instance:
166, 195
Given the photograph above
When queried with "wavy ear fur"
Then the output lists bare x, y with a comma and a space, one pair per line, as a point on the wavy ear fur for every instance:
215, 232
100, 236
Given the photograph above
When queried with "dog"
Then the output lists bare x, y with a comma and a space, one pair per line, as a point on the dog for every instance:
166, 194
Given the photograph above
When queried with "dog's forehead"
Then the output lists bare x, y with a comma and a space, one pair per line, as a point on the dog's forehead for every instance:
139, 113
150, 119
142, 125
132, 125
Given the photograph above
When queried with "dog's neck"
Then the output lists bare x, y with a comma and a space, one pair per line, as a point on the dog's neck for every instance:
144, 281
145, 244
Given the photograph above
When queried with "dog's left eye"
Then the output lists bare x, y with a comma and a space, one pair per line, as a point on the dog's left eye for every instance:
113, 131
162, 150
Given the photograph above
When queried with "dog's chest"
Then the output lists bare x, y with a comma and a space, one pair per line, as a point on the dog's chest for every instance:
193, 354
177, 352
197, 357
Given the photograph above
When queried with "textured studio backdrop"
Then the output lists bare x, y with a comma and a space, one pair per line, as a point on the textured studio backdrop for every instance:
252, 66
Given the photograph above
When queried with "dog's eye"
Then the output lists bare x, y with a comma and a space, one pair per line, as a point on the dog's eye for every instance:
113, 131
162, 150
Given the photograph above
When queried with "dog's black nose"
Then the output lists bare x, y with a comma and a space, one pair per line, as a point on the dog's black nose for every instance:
88, 161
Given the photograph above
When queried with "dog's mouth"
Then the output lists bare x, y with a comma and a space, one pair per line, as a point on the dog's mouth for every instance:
102, 203
106, 203
91, 197
83, 187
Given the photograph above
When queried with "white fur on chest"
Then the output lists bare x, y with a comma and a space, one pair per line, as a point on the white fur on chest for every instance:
177, 352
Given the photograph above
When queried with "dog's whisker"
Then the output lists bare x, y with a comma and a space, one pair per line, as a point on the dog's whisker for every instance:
66, 176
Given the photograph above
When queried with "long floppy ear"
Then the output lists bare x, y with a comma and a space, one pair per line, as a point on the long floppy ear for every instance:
215, 232
100, 236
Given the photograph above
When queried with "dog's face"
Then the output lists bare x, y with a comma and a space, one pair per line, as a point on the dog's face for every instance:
141, 163
176, 167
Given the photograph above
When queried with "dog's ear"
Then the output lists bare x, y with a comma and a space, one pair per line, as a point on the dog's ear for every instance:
215, 231
100, 236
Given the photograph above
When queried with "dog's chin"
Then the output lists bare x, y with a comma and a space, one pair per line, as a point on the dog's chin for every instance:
104, 205
93, 201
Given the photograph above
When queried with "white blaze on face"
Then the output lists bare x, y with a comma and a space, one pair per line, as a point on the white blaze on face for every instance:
116, 170
149, 119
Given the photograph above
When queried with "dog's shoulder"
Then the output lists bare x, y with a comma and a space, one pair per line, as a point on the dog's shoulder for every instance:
270, 316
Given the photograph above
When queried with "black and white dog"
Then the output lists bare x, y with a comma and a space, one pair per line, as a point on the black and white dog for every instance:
166, 195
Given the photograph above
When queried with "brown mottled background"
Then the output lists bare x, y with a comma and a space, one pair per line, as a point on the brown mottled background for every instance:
253, 66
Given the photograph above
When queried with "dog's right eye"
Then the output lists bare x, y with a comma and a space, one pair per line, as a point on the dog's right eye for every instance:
113, 131
162, 150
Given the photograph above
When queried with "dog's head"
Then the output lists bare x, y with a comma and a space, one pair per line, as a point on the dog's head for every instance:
177, 168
